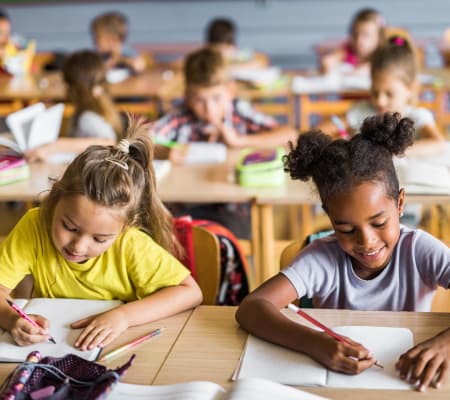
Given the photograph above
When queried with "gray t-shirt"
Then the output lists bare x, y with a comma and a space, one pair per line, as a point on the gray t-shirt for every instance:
419, 263
91, 124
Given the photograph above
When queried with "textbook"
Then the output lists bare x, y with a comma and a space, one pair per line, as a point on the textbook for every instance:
245, 389
32, 126
61, 313
265, 360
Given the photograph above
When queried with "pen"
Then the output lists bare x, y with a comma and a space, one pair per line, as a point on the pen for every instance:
19, 311
327, 330
132, 344
166, 143
340, 127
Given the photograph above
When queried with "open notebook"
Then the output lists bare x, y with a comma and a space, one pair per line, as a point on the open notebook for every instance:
246, 389
32, 126
262, 359
425, 175
60, 313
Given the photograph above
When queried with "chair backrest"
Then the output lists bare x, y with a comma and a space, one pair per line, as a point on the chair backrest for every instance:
207, 263
441, 299
289, 252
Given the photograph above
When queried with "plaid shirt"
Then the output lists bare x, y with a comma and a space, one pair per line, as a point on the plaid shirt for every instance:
181, 125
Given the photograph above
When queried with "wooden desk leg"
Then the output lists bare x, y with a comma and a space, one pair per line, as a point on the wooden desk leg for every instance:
255, 279
268, 264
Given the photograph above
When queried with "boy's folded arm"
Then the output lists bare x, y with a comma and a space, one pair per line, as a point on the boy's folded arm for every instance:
267, 138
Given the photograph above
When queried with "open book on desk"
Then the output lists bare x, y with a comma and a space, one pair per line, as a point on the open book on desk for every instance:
32, 126
61, 313
245, 389
268, 361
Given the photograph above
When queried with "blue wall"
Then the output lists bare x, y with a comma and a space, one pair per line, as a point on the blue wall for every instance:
285, 29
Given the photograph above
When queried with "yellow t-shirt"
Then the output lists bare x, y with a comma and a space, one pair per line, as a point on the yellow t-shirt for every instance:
132, 268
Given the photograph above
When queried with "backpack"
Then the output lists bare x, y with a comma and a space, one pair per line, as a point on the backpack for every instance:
233, 265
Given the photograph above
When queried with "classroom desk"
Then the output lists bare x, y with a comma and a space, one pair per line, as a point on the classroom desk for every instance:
50, 86
150, 355
210, 183
211, 343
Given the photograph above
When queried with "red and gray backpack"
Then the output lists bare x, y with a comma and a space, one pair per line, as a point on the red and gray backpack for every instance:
234, 267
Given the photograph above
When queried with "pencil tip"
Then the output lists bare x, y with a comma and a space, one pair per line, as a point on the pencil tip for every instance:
52, 340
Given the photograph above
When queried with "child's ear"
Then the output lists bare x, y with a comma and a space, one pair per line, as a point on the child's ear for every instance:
401, 202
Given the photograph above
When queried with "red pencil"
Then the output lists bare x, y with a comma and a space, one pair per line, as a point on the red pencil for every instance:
327, 330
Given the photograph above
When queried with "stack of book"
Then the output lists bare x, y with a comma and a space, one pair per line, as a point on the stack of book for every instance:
13, 169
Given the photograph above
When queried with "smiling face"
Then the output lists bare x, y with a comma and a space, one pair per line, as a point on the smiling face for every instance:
82, 229
366, 222
389, 93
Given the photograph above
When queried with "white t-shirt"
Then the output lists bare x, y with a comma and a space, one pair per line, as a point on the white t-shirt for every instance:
91, 124
419, 263
361, 110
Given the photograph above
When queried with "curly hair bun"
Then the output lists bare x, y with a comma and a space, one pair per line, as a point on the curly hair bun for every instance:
389, 130
302, 160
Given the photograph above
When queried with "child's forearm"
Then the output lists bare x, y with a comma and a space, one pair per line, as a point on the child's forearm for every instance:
261, 318
267, 139
163, 303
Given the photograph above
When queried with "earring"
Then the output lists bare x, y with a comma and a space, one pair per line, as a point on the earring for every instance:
401, 214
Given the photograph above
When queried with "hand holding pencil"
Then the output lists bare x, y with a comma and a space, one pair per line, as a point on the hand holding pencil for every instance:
345, 355
33, 331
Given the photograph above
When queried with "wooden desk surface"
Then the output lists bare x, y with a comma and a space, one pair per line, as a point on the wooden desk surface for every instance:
149, 356
50, 86
211, 343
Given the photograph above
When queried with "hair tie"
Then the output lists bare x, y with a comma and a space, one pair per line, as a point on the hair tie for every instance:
398, 41
124, 146
120, 163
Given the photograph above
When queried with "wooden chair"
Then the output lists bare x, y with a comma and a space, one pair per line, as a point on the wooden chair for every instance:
207, 263
441, 299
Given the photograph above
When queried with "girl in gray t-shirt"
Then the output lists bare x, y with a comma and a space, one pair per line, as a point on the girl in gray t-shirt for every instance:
370, 263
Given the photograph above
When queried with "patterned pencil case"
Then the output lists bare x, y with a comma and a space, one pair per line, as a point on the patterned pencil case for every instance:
68, 377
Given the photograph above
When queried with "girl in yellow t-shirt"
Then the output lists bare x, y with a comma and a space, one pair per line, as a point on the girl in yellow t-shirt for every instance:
87, 241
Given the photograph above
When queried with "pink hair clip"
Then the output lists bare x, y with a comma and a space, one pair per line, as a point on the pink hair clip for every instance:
399, 41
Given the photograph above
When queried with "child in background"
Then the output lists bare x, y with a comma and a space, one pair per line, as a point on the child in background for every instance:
221, 35
211, 114
96, 120
371, 262
394, 89
109, 32
366, 35
102, 233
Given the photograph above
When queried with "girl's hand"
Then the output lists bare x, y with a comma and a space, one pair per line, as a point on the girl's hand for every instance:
427, 363
100, 330
350, 358
25, 333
